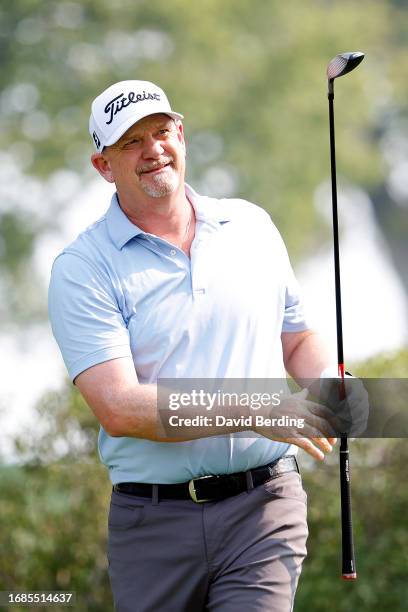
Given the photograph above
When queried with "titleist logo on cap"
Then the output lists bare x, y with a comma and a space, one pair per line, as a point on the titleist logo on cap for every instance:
120, 102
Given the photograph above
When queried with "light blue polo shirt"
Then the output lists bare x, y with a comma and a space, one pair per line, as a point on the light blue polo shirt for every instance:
117, 291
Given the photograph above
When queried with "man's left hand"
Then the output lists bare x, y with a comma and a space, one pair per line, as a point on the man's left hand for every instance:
350, 415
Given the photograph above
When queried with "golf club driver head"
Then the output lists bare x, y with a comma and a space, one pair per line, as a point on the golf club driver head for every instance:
343, 63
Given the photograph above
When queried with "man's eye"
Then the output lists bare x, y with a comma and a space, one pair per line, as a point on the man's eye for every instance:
164, 131
132, 142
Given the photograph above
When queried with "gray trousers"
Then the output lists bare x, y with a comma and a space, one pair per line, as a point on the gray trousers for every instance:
244, 552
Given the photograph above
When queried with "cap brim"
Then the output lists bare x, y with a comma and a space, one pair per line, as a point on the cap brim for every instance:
134, 119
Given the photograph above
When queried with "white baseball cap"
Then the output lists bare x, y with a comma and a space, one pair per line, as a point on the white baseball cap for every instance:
117, 108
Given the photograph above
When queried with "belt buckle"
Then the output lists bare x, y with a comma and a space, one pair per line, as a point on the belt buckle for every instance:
192, 491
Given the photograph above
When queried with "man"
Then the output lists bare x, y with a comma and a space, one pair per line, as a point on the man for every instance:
171, 284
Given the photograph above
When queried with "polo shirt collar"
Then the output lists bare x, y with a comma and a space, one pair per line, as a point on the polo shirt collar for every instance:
121, 229
207, 209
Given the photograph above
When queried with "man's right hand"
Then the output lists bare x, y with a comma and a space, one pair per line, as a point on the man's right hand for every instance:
316, 437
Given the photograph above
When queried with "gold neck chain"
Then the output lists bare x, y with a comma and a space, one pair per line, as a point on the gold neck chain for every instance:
187, 227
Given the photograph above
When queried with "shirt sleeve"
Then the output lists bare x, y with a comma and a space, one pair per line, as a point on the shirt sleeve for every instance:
84, 314
294, 319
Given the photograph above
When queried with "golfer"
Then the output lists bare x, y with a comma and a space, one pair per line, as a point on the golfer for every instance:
173, 284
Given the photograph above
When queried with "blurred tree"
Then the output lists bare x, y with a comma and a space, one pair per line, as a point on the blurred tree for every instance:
380, 498
54, 506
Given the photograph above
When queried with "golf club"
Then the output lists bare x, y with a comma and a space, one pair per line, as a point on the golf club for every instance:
340, 65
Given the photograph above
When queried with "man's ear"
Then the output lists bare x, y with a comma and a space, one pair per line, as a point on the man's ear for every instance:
102, 165
180, 133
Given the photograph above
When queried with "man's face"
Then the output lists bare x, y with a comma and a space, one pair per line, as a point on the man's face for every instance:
149, 157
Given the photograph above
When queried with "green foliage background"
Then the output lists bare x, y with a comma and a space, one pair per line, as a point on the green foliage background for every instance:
249, 76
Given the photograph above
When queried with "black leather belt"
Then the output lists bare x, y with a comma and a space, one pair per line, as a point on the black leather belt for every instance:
213, 488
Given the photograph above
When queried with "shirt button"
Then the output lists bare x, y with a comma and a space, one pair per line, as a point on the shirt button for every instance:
173, 252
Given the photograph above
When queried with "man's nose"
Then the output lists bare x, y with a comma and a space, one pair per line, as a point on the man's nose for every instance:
152, 148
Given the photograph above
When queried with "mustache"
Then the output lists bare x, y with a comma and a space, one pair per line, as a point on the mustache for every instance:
163, 161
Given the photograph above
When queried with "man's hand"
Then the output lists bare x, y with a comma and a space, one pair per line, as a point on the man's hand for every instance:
350, 415
316, 437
